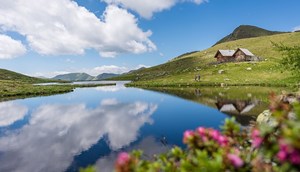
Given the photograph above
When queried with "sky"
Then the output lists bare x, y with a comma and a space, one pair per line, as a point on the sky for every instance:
47, 38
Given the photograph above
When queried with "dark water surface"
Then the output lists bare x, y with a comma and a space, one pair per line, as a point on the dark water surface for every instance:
91, 125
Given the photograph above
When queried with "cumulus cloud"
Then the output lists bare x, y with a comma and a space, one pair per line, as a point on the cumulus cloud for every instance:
109, 69
146, 8
10, 48
56, 133
11, 112
59, 27
297, 28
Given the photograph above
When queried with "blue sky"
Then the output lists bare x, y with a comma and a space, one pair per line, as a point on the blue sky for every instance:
45, 38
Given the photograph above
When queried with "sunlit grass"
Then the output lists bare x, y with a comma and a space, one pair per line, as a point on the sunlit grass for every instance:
182, 71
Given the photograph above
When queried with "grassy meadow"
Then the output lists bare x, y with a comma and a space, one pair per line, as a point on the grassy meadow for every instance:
15, 85
182, 70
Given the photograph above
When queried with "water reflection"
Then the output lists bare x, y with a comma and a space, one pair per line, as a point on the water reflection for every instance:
149, 145
244, 103
11, 112
111, 88
239, 106
56, 133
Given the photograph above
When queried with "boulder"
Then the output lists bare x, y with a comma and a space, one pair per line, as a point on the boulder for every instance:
266, 118
221, 71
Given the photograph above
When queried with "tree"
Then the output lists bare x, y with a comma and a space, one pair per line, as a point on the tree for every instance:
291, 57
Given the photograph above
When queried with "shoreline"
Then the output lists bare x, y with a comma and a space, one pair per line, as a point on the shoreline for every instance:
147, 85
24, 90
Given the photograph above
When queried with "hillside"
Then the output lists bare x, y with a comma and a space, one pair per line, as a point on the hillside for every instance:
75, 77
6, 75
104, 76
181, 71
247, 31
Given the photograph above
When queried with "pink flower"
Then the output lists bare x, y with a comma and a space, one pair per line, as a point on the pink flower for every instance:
201, 131
123, 158
235, 160
256, 142
214, 134
204, 138
282, 155
295, 157
187, 135
256, 138
222, 140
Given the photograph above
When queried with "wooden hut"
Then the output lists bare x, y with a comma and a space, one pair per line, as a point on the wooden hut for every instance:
242, 54
225, 55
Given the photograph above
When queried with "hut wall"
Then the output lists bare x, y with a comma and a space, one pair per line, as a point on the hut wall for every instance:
240, 56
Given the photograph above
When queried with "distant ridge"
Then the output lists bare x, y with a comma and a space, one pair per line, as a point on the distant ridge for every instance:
75, 77
104, 76
247, 31
84, 77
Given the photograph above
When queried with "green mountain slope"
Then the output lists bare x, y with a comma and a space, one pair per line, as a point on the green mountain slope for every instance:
75, 77
104, 76
247, 31
181, 71
6, 75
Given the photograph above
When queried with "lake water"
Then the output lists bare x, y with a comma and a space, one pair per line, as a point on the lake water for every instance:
91, 125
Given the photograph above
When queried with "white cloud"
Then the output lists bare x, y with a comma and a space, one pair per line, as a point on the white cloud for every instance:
56, 133
146, 8
111, 69
59, 27
11, 112
108, 69
141, 65
297, 28
10, 48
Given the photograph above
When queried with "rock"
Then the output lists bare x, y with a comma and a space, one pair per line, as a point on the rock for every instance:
221, 71
266, 118
249, 68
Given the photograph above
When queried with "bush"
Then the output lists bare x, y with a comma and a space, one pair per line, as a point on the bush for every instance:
291, 57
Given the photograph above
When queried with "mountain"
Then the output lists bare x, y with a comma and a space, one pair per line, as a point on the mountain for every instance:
247, 31
7, 75
75, 77
135, 70
181, 71
104, 76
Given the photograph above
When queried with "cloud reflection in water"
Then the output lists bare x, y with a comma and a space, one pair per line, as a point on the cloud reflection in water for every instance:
56, 133
11, 112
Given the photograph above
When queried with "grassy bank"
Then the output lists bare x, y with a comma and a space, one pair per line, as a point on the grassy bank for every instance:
181, 71
15, 89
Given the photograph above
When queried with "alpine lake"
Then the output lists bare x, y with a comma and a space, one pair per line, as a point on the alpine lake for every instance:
90, 126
